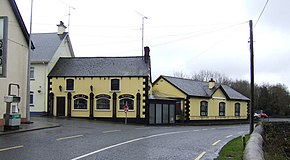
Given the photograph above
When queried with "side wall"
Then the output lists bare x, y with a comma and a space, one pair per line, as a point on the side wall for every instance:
17, 61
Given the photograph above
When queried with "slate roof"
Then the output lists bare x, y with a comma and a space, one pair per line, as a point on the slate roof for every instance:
46, 45
100, 67
200, 89
20, 21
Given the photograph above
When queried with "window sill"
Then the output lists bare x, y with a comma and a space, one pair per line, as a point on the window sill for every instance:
128, 111
72, 91
102, 110
80, 110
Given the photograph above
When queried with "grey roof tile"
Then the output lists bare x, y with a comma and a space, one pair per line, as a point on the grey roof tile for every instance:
201, 89
100, 67
46, 45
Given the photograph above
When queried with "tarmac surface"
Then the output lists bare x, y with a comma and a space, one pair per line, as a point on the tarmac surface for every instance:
35, 124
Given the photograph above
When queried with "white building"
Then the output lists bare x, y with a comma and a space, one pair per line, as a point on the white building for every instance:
13, 56
49, 47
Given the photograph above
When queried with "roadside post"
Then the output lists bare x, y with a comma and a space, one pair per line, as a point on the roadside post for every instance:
126, 108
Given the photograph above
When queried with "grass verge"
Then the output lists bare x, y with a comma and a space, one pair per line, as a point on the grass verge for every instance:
233, 149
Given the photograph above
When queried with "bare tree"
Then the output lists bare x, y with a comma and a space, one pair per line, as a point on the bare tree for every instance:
205, 75
180, 74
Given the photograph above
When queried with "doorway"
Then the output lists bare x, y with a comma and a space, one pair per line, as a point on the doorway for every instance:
60, 105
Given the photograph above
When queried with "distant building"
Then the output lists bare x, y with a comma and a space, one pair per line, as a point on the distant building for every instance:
100, 87
14, 42
49, 48
202, 101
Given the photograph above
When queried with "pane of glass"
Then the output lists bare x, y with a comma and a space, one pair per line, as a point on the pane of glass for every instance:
165, 113
152, 114
171, 113
1, 28
158, 114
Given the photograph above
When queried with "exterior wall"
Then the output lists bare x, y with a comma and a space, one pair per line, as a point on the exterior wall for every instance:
40, 82
164, 87
17, 61
38, 86
62, 51
101, 85
213, 108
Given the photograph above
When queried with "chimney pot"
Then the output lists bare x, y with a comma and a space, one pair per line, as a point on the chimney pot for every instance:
211, 84
146, 54
61, 28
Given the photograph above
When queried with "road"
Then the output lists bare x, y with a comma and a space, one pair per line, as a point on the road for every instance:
94, 140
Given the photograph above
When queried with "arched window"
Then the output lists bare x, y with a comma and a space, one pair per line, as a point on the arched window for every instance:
203, 108
129, 102
80, 103
222, 109
237, 109
103, 103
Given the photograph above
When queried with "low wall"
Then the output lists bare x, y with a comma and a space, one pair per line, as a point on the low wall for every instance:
254, 147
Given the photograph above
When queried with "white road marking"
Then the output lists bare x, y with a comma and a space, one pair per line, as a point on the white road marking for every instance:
9, 148
143, 128
229, 136
204, 129
196, 130
216, 142
126, 142
212, 128
200, 156
111, 131
70, 137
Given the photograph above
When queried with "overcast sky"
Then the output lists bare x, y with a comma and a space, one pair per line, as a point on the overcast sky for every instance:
183, 35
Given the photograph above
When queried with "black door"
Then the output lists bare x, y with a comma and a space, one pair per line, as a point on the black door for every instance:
60, 104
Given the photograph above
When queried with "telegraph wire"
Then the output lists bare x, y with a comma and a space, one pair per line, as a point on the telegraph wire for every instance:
261, 13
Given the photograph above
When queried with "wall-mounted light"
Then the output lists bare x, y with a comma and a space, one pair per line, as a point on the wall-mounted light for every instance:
39, 91
92, 88
60, 88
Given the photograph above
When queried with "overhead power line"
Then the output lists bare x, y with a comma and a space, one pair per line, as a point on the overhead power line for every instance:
261, 13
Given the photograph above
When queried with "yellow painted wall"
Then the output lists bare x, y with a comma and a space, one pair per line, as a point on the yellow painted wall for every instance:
101, 85
213, 107
164, 87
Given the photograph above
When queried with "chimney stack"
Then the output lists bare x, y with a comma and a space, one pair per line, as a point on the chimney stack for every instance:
61, 28
211, 84
146, 54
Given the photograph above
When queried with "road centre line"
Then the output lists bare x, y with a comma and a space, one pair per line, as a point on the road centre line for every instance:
213, 128
204, 129
129, 141
10, 148
200, 156
70, 137
216, 142
196, 130
111, 131
229, 136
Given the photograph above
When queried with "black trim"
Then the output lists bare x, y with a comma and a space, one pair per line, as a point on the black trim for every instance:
187, 108
69, 100
114, 106
92, 105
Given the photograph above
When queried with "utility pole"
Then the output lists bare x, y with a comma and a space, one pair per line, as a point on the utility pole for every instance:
252, 78
28, 69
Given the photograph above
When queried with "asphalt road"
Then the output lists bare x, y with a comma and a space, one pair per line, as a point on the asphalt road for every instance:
94, 140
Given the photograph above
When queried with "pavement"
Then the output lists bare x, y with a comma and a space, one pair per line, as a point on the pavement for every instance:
35, 124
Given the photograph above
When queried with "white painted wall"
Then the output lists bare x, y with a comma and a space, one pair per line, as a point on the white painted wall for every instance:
17, 60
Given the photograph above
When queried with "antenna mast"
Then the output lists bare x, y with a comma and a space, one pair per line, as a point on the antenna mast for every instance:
143, 17
69, 7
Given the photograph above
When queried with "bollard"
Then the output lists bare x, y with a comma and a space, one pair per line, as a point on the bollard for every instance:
244, 141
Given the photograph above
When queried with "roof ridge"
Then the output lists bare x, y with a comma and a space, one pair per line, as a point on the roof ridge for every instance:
185, 79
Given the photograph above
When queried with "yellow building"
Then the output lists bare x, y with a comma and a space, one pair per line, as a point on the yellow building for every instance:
100, 87
14, 42
199, 101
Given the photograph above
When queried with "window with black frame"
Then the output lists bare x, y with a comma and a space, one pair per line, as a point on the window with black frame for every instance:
203, 108
69, 84
222, 109
237, 109
115, 84
103, 103
80, 103
129, 102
